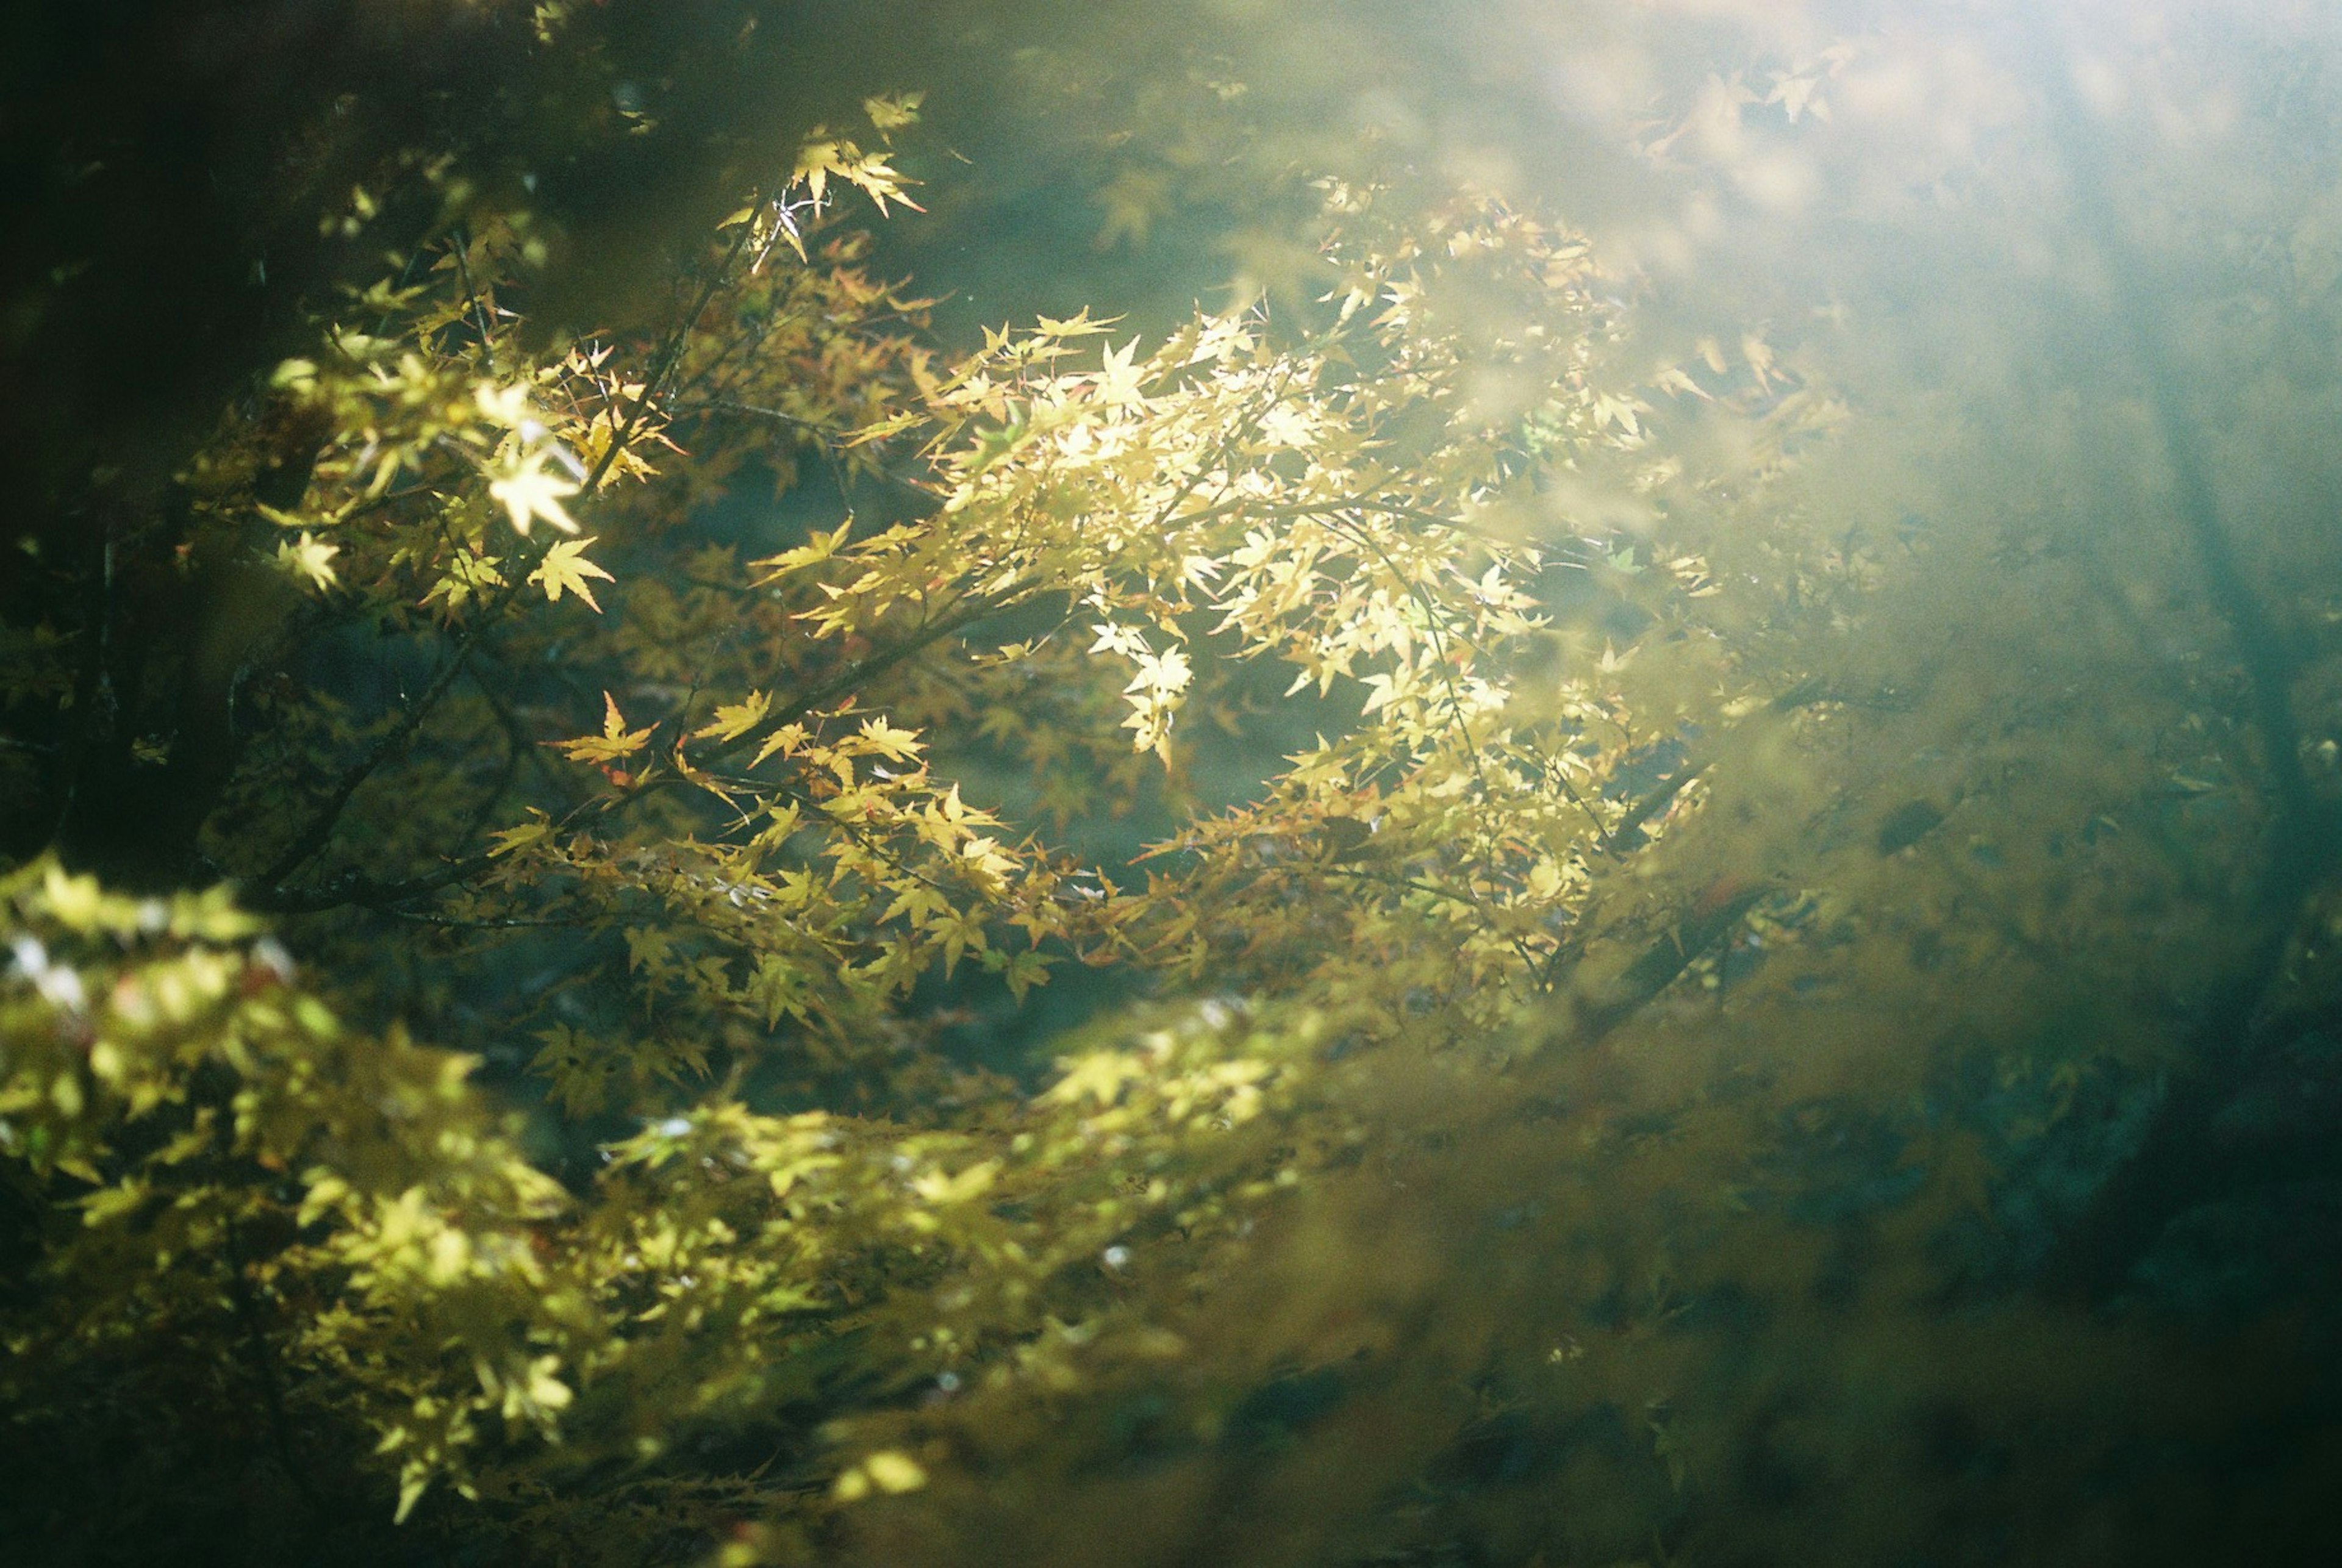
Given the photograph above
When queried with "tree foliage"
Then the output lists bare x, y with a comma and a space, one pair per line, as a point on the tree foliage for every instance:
1705, 899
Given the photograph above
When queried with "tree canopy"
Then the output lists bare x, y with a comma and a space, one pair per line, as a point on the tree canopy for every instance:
1632, 862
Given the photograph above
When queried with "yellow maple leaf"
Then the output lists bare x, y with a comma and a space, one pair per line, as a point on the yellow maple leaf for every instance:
508, 840
733, 720
1117, 378
895, 745
468, 577
528, 492
614, 741
893, 111
564, 566
821, 548
310, 558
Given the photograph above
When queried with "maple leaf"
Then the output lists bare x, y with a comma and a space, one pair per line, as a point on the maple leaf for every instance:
733, 720
819, 158
614, 741
508, 840
468, 577
528, 492
1101, 1075
309, 558
1024, 972
893, 111
822, 547
894, 744
506, 405
1117, 378
1166, 671
564, 566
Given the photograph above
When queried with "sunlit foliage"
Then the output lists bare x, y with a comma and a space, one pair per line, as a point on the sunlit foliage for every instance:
751, 821
1734, 848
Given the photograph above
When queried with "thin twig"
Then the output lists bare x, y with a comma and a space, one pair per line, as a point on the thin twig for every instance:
463, 242
312, 840
264, 1370
271, 893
